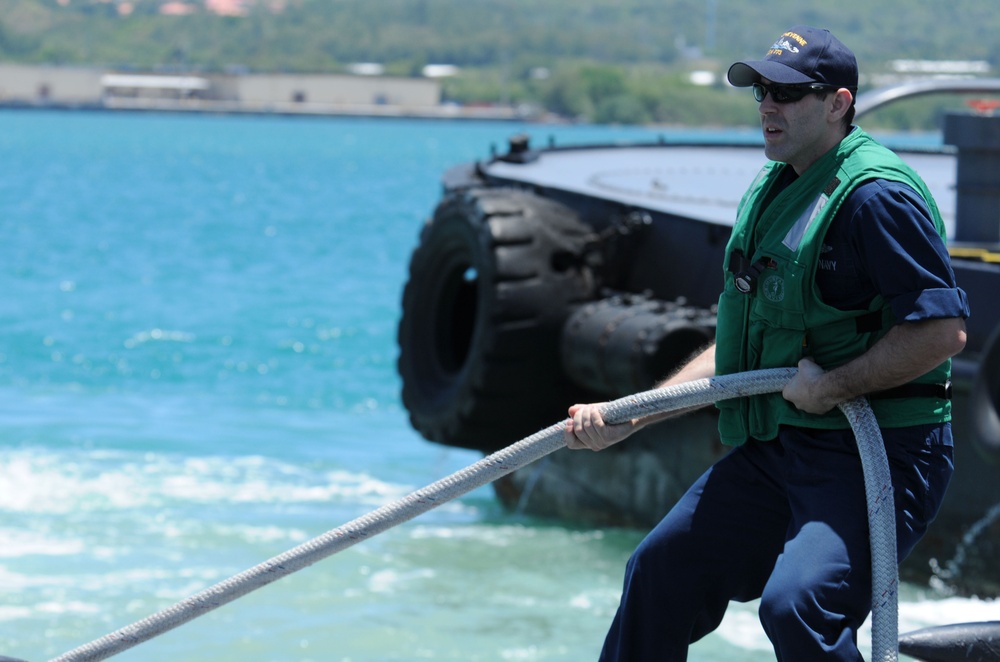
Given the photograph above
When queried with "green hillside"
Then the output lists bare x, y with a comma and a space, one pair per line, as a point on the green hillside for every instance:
601, 60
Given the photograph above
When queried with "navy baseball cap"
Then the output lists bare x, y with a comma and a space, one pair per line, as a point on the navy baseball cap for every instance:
801, 55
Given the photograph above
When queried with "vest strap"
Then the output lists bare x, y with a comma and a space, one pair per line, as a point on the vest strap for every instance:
912, 390
869, 323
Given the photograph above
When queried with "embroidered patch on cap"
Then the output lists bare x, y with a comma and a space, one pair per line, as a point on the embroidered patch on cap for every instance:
784, 43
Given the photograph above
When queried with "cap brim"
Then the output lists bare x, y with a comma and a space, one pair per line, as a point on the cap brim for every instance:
745, 74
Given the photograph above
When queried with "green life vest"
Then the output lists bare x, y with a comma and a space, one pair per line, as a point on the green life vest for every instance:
778, 238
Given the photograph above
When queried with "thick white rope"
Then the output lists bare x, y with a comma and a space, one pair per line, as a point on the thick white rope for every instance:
881, 529
490, 468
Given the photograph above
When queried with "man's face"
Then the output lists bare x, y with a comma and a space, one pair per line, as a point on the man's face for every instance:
799, 132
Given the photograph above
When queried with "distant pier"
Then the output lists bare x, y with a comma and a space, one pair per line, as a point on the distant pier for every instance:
92, 88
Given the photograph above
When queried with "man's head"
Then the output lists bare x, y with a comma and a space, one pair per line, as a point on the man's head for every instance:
806, 85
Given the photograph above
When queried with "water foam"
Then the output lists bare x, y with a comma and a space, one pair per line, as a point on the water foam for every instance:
42, 482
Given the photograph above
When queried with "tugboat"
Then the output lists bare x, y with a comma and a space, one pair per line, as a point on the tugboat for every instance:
553, 275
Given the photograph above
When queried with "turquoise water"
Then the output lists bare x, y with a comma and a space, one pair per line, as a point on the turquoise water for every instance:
197, 347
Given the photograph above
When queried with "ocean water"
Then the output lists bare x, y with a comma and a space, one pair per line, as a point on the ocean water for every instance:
197, 373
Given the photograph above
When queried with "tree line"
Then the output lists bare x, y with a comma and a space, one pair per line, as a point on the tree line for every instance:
626, 61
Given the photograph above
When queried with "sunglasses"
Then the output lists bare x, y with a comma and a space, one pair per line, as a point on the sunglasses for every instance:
788, 93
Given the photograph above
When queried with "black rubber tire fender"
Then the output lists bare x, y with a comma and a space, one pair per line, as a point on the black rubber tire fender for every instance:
493, 279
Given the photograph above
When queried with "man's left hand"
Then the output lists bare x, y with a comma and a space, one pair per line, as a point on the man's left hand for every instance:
805, 391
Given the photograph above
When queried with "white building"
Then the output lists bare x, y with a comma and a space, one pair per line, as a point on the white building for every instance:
35, 84
314, 93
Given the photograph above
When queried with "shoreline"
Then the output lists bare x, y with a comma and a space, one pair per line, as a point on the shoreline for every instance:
286, 109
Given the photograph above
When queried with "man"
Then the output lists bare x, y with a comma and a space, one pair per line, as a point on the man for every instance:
837, 264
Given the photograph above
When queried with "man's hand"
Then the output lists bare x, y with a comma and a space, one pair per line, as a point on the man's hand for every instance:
804, 390
587, 429
907, 351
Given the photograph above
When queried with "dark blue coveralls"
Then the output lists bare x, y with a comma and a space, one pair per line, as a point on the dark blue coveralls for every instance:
785, 520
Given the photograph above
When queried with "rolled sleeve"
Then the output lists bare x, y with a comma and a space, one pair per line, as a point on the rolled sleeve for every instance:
937, 303
905, 257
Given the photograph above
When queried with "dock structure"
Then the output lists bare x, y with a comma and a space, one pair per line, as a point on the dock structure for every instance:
65, 87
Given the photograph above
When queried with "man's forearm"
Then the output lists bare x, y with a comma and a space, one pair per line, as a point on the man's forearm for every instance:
702, 366
906, 352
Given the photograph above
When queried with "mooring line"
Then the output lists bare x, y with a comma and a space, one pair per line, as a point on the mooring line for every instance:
501, 463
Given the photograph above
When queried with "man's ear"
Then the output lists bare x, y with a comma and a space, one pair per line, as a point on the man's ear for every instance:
842, 101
